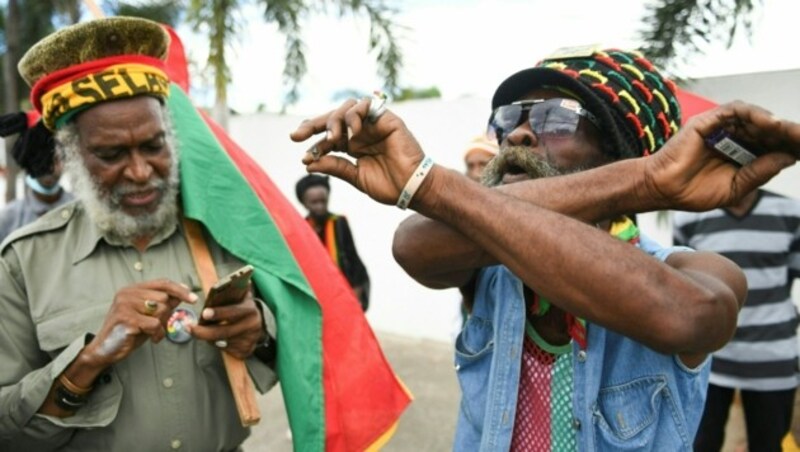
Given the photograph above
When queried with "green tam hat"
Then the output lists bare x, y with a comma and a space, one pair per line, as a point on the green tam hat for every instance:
97, 61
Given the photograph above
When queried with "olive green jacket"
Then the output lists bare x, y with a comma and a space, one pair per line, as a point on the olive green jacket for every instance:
58, 277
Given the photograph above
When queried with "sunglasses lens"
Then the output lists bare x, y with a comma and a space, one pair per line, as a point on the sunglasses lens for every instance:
551, 121
505, 119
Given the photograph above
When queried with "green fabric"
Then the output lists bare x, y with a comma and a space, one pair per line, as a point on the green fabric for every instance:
66, 117
543, 344
216, 194
563, 435
59, 278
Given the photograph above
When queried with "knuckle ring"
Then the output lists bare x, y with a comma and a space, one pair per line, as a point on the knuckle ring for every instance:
222, 343
150, 307
377, 106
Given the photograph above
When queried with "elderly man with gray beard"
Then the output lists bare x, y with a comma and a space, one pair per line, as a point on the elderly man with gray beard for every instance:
97, 338
585, 334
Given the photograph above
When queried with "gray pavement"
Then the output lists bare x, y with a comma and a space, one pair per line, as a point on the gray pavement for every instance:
428, 424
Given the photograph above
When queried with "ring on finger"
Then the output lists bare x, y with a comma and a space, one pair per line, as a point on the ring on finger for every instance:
222, 343
315, 153
377, 106
150, 307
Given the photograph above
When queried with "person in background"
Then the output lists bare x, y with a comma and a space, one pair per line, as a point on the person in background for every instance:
479, 152
313, 192
761, 234
43, 188
585, 334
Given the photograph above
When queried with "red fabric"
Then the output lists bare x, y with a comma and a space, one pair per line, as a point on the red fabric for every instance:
33, 117
532, 422
177, 68
692, 104
80, 70
363, 397
351, 422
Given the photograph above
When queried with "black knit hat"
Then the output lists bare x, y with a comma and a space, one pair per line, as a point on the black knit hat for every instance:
636, 105
34, 149
311, 180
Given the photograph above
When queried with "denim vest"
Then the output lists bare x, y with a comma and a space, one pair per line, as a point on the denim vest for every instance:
625, 397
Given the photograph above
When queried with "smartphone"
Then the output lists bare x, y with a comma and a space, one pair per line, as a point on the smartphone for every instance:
722, 141
229, 290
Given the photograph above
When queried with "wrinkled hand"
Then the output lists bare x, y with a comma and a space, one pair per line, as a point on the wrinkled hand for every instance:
127, 324
386, 152
239, 324
687, 175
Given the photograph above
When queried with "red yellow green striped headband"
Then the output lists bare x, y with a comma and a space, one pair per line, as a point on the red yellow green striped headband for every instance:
61, 94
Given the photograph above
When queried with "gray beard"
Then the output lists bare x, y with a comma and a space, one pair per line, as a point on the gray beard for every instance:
514, 159
104, 208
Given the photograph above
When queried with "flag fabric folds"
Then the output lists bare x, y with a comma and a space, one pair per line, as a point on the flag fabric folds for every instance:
340, 392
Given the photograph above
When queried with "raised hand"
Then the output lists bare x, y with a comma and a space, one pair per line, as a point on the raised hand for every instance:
386, 152
686, 175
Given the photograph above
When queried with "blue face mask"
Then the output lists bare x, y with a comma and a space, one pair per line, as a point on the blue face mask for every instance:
34, 185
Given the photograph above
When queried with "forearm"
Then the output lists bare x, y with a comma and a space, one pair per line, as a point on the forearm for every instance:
602, 193
579, 268
82, 372
435, 254
439, 255
22, 418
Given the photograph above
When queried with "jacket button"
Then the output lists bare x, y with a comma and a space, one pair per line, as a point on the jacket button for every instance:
576, 424
581, 356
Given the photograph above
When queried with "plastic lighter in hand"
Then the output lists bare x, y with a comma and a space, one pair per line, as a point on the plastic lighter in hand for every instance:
721, 141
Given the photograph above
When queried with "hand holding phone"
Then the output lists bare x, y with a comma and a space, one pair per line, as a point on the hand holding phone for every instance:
229, 290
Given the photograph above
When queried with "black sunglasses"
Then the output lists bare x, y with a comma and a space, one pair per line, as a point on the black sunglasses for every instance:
550, 119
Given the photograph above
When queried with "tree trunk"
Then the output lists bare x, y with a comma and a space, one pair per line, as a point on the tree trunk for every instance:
220, 113
74, 9
10, 82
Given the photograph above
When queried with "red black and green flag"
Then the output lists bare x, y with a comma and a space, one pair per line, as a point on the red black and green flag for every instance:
339, 390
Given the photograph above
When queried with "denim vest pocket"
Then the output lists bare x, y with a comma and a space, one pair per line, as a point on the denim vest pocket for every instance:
637, 415
473, 358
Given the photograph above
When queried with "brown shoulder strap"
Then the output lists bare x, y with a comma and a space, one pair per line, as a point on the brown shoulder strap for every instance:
242, 386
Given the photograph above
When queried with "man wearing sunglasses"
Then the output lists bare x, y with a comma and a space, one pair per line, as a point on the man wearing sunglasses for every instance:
585, 334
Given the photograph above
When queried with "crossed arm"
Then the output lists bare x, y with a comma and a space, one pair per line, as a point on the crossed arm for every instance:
539, 229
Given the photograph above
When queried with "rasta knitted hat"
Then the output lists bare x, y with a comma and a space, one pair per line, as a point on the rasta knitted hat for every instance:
637, 107
102, 60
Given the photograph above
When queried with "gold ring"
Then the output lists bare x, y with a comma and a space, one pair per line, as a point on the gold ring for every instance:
150, 307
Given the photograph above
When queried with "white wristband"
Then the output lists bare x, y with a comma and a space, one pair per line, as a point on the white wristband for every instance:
414, 182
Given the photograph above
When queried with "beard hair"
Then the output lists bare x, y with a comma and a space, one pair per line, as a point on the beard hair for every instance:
521, 157
103, 207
